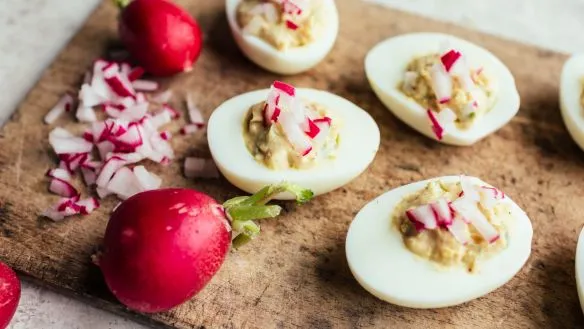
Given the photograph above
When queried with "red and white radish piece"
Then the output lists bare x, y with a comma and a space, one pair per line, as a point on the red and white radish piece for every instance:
442, 212
63, 105
470, 211
441, 83
458, 228
423, 215
9, 294
180, 236
195, 115
144, 85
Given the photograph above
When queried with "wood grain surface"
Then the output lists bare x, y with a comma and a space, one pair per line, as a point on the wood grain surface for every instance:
295, 274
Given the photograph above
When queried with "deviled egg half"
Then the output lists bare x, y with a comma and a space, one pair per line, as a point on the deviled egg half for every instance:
308, 137
572, 97
284, 36
442, 86
580, 268
438, 242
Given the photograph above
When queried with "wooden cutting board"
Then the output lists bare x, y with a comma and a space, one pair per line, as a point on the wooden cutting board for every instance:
295, 274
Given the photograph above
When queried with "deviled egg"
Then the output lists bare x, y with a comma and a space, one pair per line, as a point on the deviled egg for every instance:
442, 86
580, 268
438, 242
308, 137
284, 36
572, 97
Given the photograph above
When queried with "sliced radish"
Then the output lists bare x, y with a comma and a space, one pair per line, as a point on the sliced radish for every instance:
423, 215
119, 84
110, 166
200, 168
62, 188
161, 119
470, 191
449, 59
470, 211
291, 25
63, 105
285, 88
59, 173
166, 135
146, 179
144, 85
105, 148
311, 128
190, 128
85, 114
294, 134
441, 83
88, 205
442, 212
436, 126
89, 97
174, 114
458, 228
69, 144
195, 115
124, 183
89, 176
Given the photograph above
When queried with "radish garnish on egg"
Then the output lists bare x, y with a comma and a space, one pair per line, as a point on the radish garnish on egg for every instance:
447, 242
297, 134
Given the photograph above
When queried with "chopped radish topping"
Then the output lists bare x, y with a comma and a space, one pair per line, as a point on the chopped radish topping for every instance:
59, 173
190, 128
160, 119
124, 184
200, 168
166, 135
147, 180
63, 105
470, 211
194, 113
441, 83
442, 212
174, 114
312, 129
145, 85
88, 205
458, 229
85, 114
436, 126
469, 189
65, 207
109, 168
284, 87
423, 215
291, 25
62, 188
326, 120
294, 134
449, 58
70, 144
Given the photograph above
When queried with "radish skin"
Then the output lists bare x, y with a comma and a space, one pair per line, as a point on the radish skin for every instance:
9, 294
161, 247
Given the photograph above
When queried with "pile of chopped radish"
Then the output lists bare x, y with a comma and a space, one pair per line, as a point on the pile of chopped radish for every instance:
303, 130
456, 215
130, 132
292, 9
452, 64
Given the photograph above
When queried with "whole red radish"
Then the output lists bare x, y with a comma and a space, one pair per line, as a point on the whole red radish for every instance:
161, 247
161, 36
9, 294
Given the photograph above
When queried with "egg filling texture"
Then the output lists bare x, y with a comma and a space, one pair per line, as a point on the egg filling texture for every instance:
285, 132
455, 224
282, 23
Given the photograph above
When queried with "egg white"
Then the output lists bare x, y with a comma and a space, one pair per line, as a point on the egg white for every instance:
580, 268
386, 63
570, 91
359, 142
381, 263
293, 60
